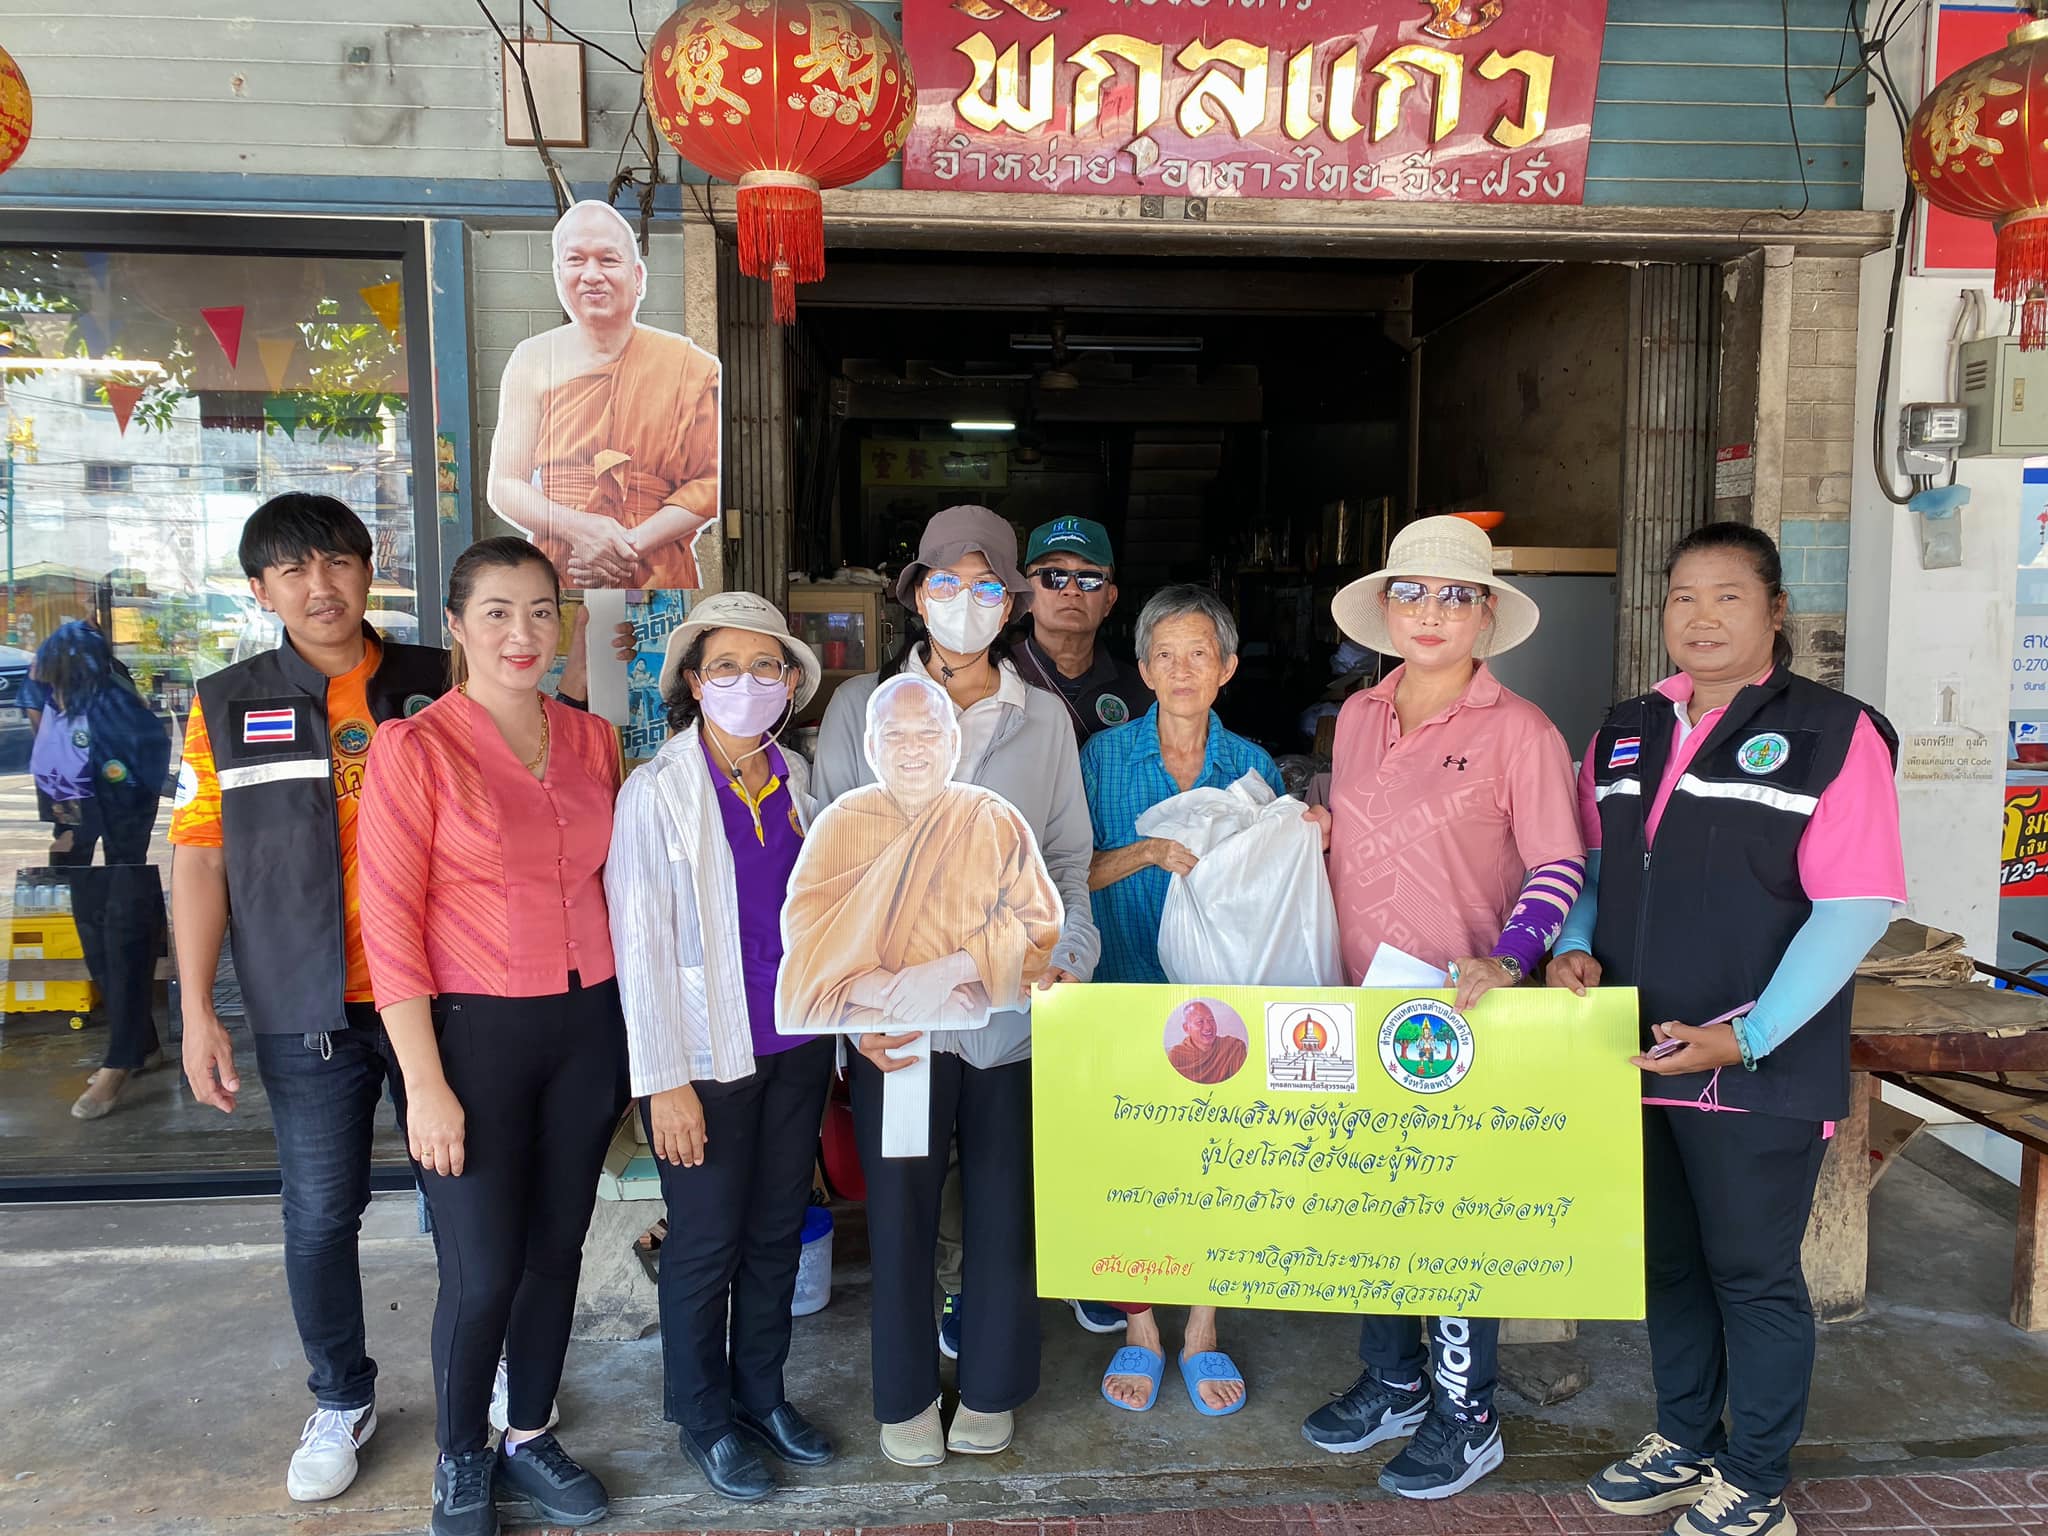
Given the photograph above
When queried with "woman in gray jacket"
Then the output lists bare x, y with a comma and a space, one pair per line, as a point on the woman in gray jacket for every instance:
1016, 740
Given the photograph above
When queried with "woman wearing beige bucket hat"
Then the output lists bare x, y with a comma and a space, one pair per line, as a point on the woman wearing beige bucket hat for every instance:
1454, 838
705, 836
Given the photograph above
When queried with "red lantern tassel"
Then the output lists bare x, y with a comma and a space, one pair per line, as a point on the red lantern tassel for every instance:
2022, 273
782, 234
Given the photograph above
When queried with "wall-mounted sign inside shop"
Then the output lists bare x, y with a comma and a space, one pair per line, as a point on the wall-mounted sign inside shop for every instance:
1411, 100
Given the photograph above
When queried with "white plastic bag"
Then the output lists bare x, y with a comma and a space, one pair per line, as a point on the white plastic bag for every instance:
1257, 911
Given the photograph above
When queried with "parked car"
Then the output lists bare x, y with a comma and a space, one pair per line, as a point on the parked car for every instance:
16, 734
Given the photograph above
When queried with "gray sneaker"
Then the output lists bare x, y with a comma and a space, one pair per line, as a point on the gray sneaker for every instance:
1658, 1475
552, 1481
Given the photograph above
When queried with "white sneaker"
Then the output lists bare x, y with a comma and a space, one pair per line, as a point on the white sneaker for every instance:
325, 1463
501, 1402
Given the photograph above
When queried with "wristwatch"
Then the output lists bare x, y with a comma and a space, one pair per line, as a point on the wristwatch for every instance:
1512, 966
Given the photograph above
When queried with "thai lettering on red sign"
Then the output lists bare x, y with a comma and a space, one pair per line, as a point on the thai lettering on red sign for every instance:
1414, 100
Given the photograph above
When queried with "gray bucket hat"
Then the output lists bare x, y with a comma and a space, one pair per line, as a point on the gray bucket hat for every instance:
961, 531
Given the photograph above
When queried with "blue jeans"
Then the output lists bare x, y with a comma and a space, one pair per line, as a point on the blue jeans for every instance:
324, 1090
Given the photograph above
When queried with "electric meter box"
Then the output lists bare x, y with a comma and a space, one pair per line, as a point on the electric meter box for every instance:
2006, 391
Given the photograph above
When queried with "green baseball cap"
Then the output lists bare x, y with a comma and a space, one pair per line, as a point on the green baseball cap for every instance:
1069, 536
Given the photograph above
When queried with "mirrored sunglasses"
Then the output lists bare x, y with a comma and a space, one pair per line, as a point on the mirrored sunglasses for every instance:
1456, 594
1059, 581
944, 586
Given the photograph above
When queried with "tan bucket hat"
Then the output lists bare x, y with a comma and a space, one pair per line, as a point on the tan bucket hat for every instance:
738, 610
1442, 549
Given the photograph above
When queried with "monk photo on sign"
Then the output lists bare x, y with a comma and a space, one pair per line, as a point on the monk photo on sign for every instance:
917, 903
1206, 1042
606, 450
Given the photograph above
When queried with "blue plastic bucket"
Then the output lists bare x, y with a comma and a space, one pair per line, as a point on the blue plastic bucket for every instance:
814, 1265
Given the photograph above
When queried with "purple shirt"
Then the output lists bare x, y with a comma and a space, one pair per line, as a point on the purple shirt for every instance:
765, 840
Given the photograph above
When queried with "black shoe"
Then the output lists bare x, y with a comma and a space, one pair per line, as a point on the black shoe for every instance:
732, 1467
949, 1328
1657, 1475
1447, 1455
1368, 1412
788, 1434
1725, 1510
463, 1505
552, 1481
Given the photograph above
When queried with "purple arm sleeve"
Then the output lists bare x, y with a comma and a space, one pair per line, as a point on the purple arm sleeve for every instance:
1532, 927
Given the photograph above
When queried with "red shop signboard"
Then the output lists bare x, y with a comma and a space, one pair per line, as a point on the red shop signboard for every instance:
1354, 100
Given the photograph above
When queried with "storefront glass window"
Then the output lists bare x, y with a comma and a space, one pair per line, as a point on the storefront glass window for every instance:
150, 401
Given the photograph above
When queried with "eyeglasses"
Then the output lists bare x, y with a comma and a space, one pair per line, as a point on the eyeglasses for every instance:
944, 586
726, 673
1055, 580
1457, 594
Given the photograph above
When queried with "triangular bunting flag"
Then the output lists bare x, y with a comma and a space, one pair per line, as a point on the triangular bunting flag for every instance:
122, 398
384, 302
287, 411
276, 352
94, 330
226, 325
50, 332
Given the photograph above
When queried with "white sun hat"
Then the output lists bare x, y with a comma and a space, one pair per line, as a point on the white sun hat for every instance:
1438, 549
738, 610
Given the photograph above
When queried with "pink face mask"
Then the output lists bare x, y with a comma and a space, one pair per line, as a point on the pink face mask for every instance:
748, 708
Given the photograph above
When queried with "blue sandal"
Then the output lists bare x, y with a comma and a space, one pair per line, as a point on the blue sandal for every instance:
1210, 1365
1133, 1361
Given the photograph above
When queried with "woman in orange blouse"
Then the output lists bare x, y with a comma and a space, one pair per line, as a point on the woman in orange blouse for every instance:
485, 822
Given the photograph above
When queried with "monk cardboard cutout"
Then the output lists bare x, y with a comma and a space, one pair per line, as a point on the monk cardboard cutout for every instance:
607, 446
918, 903
1208, 1049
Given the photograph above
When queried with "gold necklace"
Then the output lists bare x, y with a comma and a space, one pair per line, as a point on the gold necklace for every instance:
538, 761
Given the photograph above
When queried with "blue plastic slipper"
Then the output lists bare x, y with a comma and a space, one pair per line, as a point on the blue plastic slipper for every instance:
1133, 1361
1210, 1365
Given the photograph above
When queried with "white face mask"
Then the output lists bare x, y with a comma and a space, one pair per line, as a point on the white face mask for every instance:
962, 625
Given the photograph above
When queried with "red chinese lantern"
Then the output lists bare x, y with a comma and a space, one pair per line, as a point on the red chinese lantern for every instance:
1969, 151
16, 112
783, 99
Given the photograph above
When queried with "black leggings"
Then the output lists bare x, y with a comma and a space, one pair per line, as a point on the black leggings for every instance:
119, 909
542, 1082
990, 1107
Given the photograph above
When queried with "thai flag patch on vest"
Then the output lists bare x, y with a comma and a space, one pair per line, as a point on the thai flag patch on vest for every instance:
261, 727
1626, 750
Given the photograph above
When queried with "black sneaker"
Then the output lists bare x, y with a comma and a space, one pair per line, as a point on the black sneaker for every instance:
463, 1505
1725, 1510
550, 1480
1447, 1455
1367, 1413
949, 1328
1656, 1476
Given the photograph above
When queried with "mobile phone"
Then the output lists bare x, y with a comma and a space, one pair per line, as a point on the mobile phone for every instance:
1665, 1048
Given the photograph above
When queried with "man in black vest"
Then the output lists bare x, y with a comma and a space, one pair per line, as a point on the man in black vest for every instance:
265, 831
1068, 560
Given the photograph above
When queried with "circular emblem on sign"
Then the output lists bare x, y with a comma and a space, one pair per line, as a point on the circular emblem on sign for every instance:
116, 771
1426, 1046
415, 702
1111, 710
81, 737
352, 739
1762, 754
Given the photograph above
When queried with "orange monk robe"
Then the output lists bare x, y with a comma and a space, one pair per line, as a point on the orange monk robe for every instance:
1213, 1063
875, 890
632, 437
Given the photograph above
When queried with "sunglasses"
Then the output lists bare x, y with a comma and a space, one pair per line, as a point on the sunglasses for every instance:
1058, 580
944, 586
1457, 594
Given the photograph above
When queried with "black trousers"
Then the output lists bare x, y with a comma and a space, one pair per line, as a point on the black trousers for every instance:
119, 909
990, 1110
728, 1273
542, 1082
1726, 1201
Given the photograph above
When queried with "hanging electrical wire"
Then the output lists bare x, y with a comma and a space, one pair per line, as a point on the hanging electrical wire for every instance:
558, 184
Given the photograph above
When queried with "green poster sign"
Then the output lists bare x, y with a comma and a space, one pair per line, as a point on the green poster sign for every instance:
1340, 1150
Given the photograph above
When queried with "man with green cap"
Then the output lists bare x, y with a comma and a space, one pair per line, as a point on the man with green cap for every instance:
1068, 560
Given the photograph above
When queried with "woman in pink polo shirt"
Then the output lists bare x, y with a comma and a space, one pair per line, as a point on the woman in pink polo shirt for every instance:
1745, 833
1454, 838
486, 819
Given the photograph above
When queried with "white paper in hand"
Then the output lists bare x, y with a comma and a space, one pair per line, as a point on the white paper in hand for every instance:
1393, 967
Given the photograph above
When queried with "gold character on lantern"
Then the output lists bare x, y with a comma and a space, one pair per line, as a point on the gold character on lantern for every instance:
844, 53
1952, 128
697, 65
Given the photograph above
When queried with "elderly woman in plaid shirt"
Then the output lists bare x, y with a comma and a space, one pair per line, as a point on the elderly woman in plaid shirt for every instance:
1187, 651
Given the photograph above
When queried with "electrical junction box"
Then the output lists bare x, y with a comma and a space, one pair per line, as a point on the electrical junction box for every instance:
2006, 392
